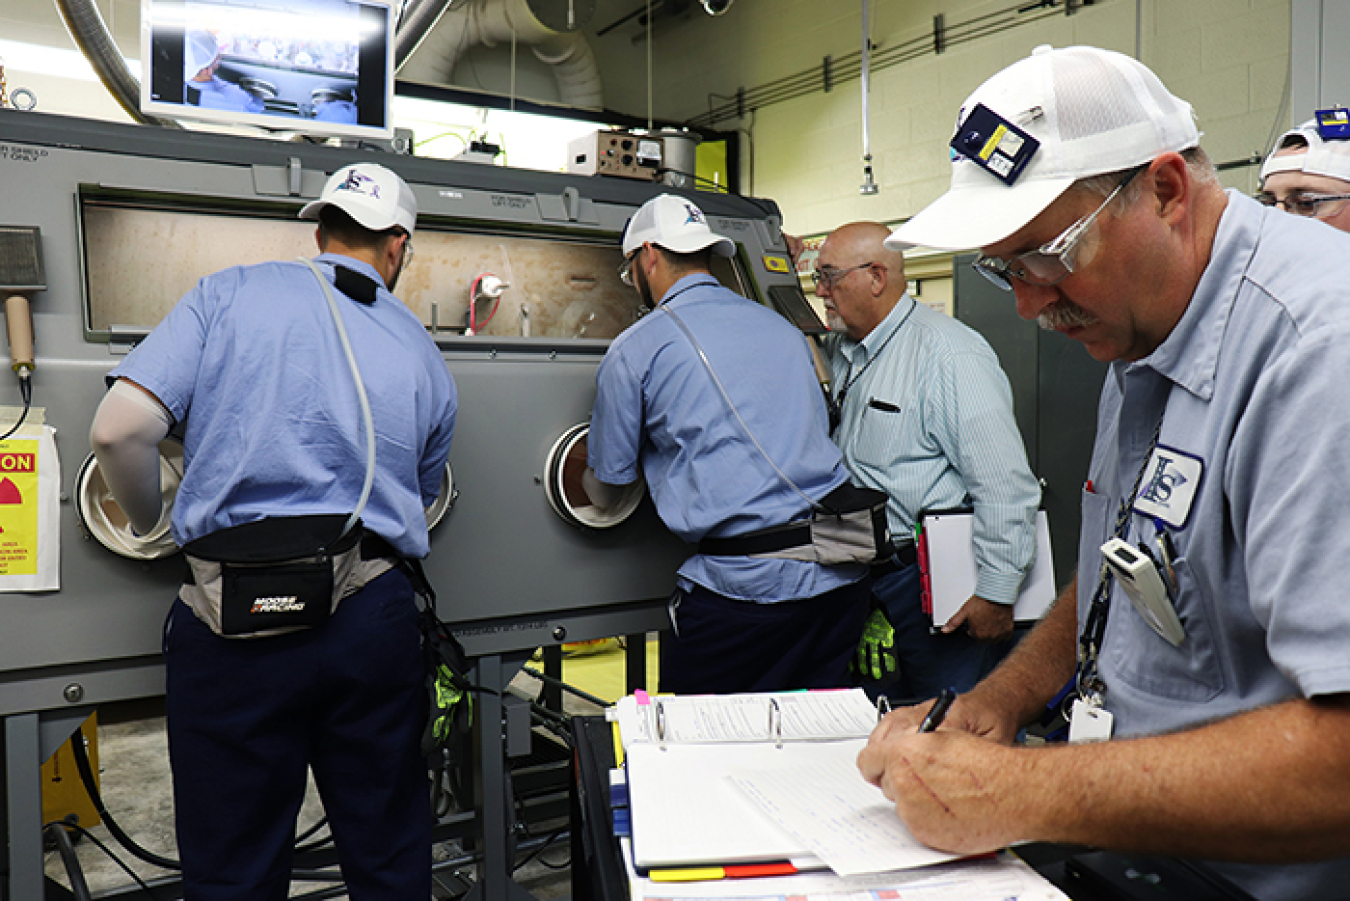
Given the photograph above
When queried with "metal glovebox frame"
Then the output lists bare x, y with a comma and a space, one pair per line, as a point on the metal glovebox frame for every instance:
510, 574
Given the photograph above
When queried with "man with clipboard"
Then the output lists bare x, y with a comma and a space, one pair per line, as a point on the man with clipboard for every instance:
922, 411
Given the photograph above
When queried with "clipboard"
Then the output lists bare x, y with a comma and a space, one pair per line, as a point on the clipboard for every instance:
947, 567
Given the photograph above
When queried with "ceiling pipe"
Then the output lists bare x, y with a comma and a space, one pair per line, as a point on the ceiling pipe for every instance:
493, 22
90, 32
416, 22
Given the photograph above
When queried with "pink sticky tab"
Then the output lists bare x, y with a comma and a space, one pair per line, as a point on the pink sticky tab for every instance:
643, 699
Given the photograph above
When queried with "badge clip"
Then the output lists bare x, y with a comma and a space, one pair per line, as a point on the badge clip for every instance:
994, 144
1333, 124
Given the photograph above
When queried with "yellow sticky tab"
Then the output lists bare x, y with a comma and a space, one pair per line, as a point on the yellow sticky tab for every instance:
18, 508
687, 874
776, 264
992, 144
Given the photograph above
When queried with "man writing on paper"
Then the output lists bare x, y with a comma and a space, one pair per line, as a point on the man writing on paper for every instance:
1219, 466
924, 413
714, 399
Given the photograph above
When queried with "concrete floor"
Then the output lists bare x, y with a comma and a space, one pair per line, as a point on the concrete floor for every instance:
135, 784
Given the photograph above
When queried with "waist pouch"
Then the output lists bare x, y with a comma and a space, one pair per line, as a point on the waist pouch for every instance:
849, 527
278, 574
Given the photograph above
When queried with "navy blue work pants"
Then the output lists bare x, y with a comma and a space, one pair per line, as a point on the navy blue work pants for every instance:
247, 717
927, 662
723, 645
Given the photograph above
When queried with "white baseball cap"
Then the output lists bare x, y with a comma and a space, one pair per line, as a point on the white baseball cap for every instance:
1318, 156
1092, 111
676, 224
371, 194
200, 50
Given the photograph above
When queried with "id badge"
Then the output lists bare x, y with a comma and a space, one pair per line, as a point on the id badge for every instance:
1089, 721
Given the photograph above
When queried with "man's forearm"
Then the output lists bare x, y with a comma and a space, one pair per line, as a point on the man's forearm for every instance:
1265, 786
1043, 661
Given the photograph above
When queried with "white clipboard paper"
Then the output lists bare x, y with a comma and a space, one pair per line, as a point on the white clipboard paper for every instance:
948, 559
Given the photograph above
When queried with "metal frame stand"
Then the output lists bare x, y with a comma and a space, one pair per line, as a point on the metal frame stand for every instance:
28, 740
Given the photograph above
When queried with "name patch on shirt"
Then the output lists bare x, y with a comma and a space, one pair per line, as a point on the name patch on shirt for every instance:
1171, 481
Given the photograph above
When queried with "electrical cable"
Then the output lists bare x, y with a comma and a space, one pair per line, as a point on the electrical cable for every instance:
61, 838
126, 841
85, 833
26, 392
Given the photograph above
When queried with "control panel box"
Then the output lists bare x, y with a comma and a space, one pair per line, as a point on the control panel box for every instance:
623, 153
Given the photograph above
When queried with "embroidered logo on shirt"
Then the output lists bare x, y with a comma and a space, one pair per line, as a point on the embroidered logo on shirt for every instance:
1171, 481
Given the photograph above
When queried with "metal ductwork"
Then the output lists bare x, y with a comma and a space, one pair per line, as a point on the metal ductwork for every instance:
91, 35
549, 27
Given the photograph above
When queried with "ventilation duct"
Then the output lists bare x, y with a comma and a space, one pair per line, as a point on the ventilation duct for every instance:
90, 33
494, 22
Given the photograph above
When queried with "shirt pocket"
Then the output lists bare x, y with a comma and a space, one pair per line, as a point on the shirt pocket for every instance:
889, 432
1144, 660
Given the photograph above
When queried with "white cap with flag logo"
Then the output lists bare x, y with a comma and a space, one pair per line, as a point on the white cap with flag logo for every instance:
677, 225
1090, 112
371, 194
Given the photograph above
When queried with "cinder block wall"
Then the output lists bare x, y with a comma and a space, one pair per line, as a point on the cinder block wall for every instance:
1229, 58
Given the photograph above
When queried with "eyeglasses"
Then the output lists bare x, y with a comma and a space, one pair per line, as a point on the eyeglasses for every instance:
1314, 205
831, 276
1050, 263
407, 251
626, 268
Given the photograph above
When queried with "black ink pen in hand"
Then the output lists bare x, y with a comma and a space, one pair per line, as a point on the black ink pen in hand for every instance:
938, 712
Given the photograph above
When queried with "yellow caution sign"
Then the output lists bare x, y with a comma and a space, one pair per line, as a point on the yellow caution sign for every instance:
18, 508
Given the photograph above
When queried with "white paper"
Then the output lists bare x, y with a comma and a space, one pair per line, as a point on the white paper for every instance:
805, 716
951, 567
841, 818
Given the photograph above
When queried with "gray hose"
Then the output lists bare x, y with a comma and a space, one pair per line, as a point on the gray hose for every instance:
87, 28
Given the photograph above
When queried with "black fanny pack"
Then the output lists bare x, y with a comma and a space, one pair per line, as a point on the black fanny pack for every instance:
276, 573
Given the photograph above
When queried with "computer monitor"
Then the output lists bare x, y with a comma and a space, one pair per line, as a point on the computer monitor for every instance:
318, 67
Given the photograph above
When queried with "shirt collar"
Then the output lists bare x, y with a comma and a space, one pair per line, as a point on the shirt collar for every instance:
337, 259
1189, 356
874, 339
687, 282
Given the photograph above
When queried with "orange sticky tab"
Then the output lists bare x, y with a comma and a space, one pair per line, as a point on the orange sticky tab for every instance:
757, 870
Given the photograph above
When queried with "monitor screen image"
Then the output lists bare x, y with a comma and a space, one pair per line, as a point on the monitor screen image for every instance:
318, 67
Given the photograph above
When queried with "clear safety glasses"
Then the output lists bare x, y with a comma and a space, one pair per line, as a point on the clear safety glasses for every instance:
1050, 263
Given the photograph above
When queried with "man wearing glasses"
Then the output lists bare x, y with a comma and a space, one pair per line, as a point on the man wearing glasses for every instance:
713, 398
1309, 175
1204, 639
924, 413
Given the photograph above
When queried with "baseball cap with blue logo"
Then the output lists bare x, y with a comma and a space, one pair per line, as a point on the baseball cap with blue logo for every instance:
1088, 112
676, 224
371, 194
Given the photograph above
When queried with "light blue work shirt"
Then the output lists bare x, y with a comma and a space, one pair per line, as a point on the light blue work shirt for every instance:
252, 360
658, 413
1251, 479
927, 418
226, 95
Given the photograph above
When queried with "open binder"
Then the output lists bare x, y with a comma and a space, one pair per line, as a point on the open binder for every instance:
947, 567
692, 762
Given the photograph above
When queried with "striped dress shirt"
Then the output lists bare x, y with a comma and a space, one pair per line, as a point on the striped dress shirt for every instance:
927, 418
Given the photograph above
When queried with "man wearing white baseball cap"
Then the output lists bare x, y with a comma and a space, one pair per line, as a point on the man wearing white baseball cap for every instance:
1308, 172
1205, 634
294, 643
714, 399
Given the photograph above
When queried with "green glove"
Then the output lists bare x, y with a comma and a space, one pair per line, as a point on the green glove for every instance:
876, 651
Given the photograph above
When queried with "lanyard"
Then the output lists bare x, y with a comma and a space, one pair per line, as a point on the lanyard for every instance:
1094, 629
836, 402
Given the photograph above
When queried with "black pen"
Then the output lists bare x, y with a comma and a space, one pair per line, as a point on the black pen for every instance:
938, 711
